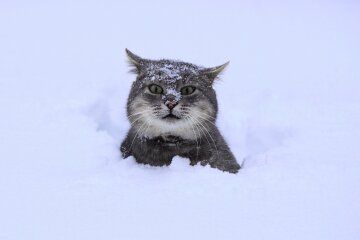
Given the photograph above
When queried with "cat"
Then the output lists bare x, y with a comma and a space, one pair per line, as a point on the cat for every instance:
172, 108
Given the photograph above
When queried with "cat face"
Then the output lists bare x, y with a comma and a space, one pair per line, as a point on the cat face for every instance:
171, 98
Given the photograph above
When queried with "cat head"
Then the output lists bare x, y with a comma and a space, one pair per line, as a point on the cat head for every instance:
171, 98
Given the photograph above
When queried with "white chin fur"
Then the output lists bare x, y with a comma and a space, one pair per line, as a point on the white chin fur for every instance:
162, 127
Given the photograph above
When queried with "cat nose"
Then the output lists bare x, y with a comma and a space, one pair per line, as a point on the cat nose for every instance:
170, 105
170, 101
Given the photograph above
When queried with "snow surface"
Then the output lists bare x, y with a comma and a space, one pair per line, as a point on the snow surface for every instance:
289, 107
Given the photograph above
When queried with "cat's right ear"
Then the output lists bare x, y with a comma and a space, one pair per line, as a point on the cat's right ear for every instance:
213, 72
134, 61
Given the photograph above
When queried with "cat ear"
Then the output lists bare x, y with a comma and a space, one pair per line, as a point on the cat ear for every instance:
213, 72
134, 60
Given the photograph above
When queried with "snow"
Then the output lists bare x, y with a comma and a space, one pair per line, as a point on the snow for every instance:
172, 73
289, 107
172, 90
169, 71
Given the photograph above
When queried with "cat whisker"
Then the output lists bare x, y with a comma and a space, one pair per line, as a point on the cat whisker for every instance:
203, 127
191, 124
203, 118
137, 132
198, 127
141, 113
138, 113
206, 121
203, 114
137, 119
147, 127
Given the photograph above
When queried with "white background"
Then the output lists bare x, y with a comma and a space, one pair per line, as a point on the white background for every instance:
289, 106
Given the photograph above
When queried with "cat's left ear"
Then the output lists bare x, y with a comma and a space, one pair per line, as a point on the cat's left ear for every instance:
134, 61
213, 72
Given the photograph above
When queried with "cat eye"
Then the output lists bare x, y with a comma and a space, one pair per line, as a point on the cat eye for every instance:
156, 89
187, 90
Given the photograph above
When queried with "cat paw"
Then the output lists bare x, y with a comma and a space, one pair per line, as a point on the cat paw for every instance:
124, 152
230, 166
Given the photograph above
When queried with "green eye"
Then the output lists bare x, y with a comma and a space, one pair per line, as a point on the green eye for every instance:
156, 89
187, 90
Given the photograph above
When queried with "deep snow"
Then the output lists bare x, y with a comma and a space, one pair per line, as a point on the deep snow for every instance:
289, 107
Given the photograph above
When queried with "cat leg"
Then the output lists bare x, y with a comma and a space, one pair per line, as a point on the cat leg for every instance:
221, 156
125, 147
223, 164
221, 160
197, 155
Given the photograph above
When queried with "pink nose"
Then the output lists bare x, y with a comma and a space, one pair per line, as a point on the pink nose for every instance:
170, 104
171, 101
